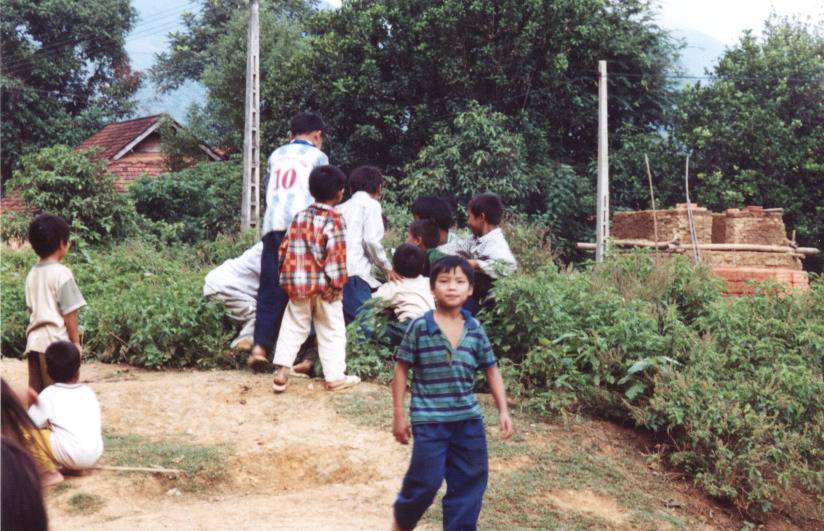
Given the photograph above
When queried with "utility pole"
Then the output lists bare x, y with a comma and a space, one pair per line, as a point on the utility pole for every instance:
249, 205
602, 204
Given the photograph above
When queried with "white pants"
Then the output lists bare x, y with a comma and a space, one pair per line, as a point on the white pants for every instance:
329, 327
241, 310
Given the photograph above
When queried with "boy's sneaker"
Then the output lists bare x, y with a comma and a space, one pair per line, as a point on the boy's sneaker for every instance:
257, 360
346, 382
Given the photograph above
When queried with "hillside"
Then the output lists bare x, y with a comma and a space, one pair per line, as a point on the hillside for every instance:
312, 460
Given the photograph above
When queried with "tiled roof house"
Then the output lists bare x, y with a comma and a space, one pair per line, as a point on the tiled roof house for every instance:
132, 149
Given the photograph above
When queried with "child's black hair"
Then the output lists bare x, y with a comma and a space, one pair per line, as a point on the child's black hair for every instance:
62, 361
22, 499
489, 205
46, 233
434, 208
325, 182
365, 179
427, 231
306, 122
448, 264
409, 261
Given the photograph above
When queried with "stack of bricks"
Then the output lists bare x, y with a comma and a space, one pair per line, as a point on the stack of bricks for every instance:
739, 268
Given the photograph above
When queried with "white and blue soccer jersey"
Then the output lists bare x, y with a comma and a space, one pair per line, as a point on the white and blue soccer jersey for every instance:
287, 191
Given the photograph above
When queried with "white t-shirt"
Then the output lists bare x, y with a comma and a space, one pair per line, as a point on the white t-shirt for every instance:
238, 278
364, 232
72, 412
287, 190
409, 298
51, 293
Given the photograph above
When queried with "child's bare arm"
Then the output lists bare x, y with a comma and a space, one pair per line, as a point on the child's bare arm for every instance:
72, 327
496, 386
401, 428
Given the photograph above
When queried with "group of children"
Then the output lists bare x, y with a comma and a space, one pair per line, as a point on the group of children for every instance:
317, 265
320, 263
57, 421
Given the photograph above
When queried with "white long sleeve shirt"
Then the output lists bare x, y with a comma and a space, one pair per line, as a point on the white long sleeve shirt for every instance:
491, 251
238, 278
364, 232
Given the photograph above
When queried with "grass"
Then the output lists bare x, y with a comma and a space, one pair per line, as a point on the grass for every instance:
541, 459
202, 465
85, 503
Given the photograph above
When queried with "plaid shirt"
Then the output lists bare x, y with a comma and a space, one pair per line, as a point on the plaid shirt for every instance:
313, 253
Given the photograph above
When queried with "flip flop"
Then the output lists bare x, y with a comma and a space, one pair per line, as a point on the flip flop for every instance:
349, 381
257, 363
279, 388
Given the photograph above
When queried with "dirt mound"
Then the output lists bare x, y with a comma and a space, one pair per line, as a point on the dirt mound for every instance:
591, 503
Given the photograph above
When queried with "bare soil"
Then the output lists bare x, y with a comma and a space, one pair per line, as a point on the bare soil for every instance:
294, 461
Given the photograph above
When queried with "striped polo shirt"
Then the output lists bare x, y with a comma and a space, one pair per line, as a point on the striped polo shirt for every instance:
443, 383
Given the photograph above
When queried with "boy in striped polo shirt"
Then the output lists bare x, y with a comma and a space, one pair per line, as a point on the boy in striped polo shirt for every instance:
444, 348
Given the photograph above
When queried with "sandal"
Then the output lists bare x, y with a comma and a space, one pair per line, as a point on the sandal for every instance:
348, 381
281, 380
257, 360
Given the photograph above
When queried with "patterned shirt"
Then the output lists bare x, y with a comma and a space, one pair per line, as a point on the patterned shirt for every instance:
443, 383
313, 253
287, 187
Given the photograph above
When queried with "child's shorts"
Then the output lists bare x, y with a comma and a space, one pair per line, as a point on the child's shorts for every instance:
38, 375
40, 448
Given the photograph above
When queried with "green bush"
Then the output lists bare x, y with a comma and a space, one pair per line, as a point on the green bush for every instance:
733, 386
145, 306
14, 226
195, 204
69, 183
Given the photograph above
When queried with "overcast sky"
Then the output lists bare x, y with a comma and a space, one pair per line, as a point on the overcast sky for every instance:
726, 19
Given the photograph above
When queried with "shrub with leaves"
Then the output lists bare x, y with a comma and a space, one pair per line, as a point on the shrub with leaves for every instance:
72, 184
195, 204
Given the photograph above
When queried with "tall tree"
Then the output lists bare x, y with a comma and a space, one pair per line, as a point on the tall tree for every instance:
211, 49
64, 72
388, 74
757, 132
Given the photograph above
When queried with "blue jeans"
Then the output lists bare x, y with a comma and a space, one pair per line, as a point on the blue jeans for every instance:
271, 299
455, 451
355, 292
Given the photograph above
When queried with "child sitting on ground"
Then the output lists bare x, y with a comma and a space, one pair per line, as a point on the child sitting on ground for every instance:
424, 234
409, 297
444, 348
18, 426
52, 296
487, 250
313, 273
67, 412
363, 216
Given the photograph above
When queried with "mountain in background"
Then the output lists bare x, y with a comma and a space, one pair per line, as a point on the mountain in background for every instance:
701, 52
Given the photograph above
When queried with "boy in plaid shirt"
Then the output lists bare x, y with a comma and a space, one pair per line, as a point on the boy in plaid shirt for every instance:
313, 273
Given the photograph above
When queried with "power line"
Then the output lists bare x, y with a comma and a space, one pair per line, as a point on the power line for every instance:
76, 39
169, 22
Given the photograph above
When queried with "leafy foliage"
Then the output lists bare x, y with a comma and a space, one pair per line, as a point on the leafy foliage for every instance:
145, 306
59, 87
756, 131
192, 205
735, 385
72, 184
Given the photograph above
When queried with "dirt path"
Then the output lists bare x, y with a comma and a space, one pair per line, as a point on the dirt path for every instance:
294, 463
309, 459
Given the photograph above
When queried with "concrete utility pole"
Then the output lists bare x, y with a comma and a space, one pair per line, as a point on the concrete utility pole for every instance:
250, 212
602, 204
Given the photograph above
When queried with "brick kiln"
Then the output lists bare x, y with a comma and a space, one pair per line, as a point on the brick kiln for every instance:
739, 245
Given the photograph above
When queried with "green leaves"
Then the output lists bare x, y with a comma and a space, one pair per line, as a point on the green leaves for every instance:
60, 180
